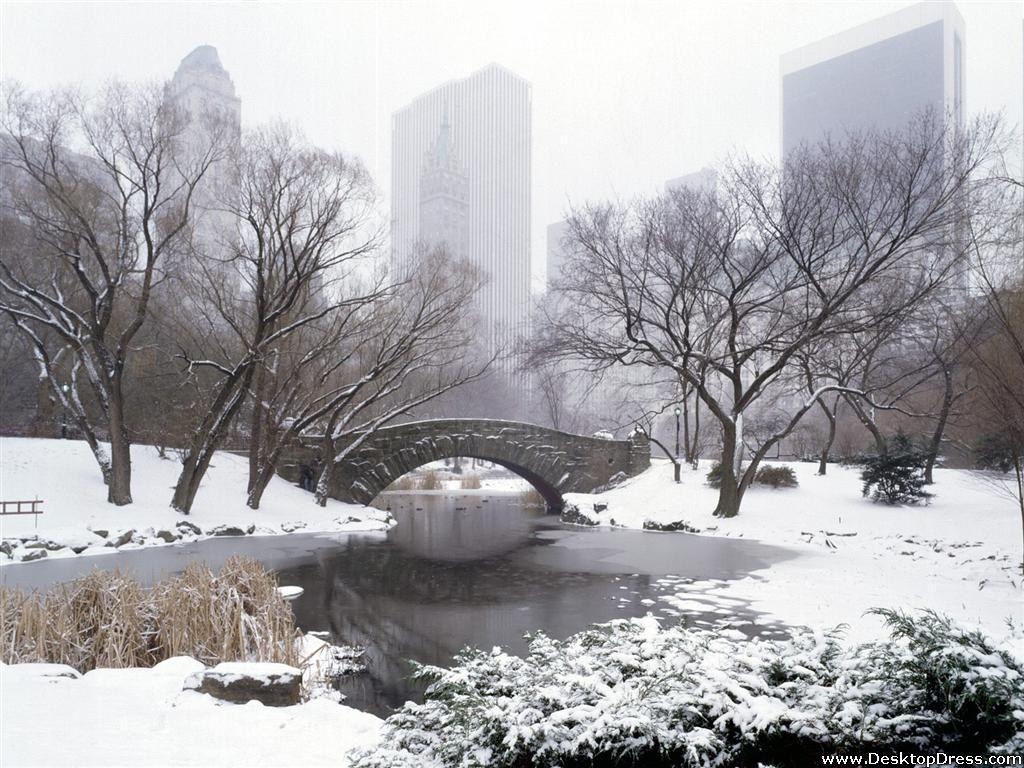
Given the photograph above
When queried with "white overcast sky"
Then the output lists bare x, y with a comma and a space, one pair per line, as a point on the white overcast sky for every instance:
625, 94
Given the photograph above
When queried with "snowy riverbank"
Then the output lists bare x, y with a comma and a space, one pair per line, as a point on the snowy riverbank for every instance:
958, 555
143, 717
77, 519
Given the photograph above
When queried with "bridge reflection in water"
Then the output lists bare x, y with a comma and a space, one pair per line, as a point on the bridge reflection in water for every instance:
480, 569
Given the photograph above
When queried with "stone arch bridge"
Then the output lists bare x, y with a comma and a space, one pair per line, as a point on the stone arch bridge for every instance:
553, 462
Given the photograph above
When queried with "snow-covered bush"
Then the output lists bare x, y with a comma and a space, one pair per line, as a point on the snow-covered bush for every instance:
896, 477
629, 693
776, 477
714, 477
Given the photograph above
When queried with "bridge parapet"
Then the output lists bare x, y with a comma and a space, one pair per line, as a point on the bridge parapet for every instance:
553, 462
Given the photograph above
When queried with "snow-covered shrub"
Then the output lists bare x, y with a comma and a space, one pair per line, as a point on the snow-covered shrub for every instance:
997, 452
776, 477
629, 693
714, 477
897, 477
937, 685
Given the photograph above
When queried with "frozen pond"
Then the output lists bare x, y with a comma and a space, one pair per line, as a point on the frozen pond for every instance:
460, 568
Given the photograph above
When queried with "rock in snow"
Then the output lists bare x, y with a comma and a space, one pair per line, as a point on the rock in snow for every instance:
274, 685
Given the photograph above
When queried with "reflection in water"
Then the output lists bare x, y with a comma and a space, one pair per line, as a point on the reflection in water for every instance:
480, 569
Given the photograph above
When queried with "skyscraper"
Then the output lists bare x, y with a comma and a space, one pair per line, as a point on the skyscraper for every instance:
203, 89
460, 176
877, 75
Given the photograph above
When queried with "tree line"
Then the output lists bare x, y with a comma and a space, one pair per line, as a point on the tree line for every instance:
878, 272
166, 279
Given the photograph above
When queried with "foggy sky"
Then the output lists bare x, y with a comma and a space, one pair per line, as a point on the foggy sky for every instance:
625, 94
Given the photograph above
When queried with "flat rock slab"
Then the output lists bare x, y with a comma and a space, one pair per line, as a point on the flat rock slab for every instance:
274, 685
41, 669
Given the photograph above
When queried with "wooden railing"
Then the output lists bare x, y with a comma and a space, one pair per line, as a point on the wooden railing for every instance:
33, 507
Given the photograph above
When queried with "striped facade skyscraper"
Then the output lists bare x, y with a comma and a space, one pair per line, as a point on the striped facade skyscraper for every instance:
460, 176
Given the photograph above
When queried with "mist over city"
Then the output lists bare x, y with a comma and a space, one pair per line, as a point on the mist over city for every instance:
439, 384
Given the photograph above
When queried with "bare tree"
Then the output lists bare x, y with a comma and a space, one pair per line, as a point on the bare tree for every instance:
996, 239
303, 218
736, 282
416, 353
107, 191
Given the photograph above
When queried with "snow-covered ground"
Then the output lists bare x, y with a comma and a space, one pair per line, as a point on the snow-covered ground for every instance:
64, 475
960, 554
139, 717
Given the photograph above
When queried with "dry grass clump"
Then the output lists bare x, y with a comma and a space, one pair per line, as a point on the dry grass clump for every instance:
430, 481
106, 619
531, 498
470, 482
404, 483
233, 616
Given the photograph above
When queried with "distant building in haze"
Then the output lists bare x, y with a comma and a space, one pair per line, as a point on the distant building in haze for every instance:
875, 76
444, 196
555, 252
460, 176
204, 90
704, 180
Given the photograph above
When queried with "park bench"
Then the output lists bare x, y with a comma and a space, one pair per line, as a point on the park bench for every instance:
33, 507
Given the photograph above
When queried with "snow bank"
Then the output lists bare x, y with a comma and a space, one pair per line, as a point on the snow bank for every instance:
958, 555
142, 717
76, 517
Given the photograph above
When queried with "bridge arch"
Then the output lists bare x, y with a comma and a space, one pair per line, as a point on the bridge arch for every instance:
553, 462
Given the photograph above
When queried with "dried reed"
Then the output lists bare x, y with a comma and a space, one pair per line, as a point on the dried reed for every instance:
106, 619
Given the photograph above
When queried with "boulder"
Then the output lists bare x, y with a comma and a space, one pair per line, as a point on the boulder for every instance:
571, 514
616, 479
123, 538
33, 554
226, 530
293, 525
101, 532
677, 525
168, 536
274, 685
185, 528
7, 547
41, 669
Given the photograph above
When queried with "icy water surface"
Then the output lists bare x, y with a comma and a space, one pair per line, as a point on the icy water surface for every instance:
461, 568
477, 569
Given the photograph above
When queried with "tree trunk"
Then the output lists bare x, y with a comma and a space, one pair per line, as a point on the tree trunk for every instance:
119, 489
1018, 470
826, 449
695, 448
881, 447
729, 492
940, 427
257, 488
323, 483
192, 472
687, 454
256, 430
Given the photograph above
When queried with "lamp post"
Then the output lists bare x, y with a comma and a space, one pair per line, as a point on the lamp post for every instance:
676, 462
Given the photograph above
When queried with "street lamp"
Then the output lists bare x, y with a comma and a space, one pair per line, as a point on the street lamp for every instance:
678, 411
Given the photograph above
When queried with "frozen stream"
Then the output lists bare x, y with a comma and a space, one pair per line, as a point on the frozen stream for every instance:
460, 568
